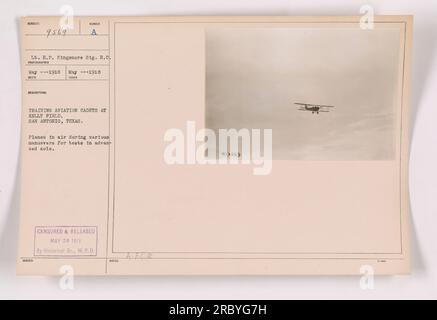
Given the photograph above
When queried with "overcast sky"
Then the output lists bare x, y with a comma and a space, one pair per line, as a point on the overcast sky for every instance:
254, 76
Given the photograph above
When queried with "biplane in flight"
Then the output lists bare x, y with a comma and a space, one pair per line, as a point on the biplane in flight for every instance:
313, 108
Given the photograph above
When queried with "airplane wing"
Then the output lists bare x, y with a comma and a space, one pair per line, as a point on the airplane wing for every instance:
313, 105
325, 106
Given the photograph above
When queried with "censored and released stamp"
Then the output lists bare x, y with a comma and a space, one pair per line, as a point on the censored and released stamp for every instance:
70, 241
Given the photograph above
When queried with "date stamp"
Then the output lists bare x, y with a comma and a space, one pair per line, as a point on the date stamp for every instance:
71, 241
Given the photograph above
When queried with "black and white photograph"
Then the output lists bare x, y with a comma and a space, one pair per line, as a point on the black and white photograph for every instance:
327, 93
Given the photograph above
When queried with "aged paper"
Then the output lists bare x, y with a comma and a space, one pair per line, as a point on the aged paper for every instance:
124, 169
